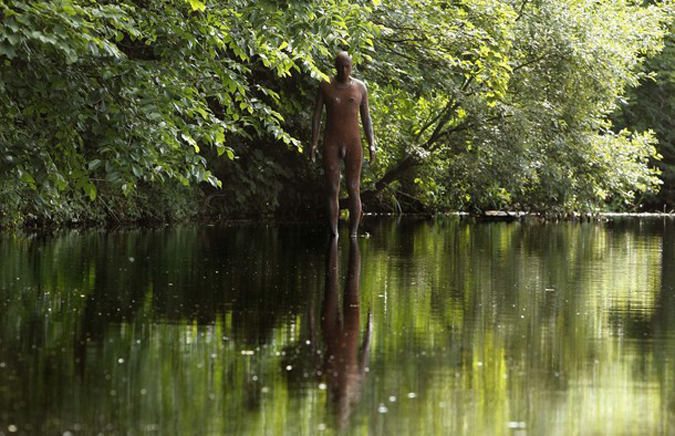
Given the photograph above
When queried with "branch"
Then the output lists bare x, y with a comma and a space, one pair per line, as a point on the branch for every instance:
465, 126
522, 9
404, 40
389, 50
432, 121
443, 121
533, 61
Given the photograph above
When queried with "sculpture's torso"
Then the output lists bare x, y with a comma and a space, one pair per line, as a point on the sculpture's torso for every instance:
343, 102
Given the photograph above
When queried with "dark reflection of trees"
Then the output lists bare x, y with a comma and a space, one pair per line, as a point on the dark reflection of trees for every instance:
257, 275
652, 322
198, 275
92, 283
663, 318
664, 315
345, 360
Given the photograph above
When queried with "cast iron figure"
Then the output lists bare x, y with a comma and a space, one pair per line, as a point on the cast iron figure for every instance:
344, 97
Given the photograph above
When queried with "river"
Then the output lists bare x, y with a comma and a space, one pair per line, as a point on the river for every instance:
426, 326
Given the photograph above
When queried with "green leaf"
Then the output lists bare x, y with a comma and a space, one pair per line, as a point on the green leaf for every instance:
90, 190
197, 5
94, 164
61, 183
220, 137
190, 141
7, 50
28, 179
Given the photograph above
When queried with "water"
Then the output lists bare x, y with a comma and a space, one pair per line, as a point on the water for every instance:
446, 326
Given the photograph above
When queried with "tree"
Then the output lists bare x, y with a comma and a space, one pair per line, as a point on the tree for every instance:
515, 114
650, 106
108, 96
109, 106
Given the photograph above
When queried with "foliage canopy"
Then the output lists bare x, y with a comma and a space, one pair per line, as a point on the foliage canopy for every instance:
477, 104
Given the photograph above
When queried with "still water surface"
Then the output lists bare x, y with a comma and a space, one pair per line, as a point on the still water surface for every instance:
446, 326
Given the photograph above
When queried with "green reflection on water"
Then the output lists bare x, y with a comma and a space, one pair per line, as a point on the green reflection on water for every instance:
427, 327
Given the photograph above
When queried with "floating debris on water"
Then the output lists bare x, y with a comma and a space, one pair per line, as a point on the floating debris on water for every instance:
516, 424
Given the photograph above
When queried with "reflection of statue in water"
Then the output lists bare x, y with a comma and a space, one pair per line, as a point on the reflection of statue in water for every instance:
344, 98
343, 366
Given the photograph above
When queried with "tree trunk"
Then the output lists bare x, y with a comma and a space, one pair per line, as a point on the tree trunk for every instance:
369, 197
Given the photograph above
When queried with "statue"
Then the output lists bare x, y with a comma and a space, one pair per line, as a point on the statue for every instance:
344, 97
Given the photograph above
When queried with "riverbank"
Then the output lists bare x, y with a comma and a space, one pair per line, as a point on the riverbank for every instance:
209, 221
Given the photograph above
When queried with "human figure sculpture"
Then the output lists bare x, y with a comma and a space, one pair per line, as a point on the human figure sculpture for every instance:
344, 98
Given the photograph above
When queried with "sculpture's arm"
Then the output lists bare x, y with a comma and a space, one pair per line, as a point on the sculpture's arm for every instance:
316, 122
367, 123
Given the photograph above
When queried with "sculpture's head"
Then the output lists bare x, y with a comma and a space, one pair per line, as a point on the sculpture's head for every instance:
343, 65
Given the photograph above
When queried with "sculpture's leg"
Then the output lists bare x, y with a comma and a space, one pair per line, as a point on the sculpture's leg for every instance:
353, 162
331, 166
